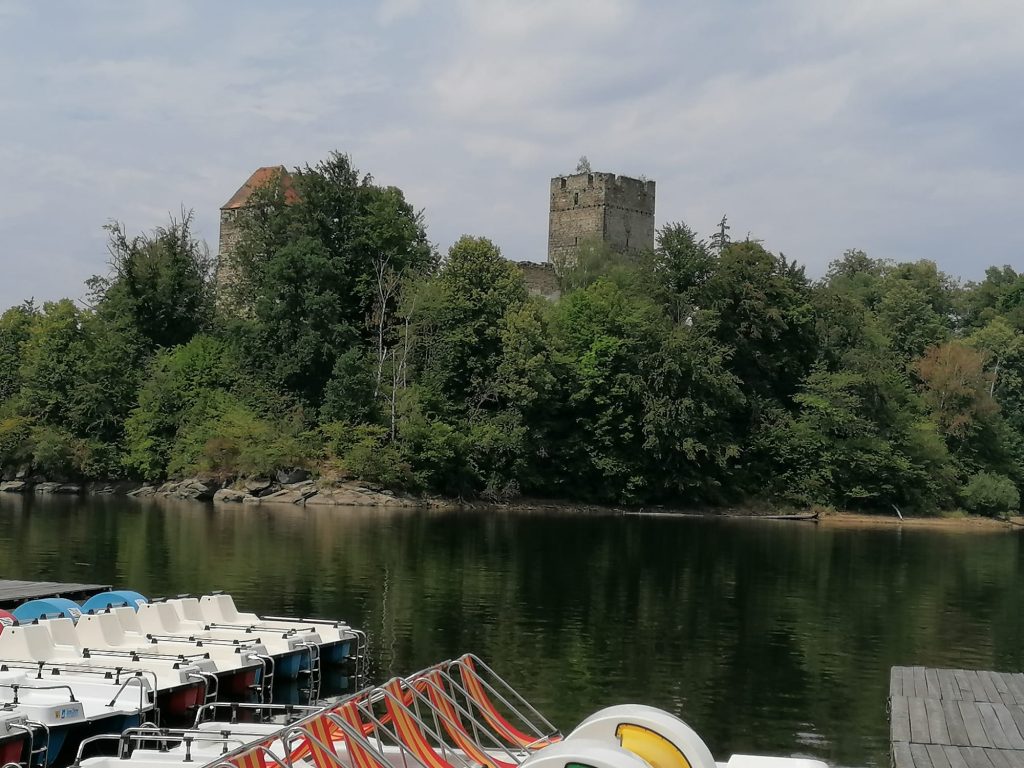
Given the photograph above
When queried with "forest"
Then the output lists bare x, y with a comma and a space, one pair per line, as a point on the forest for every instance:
707, 372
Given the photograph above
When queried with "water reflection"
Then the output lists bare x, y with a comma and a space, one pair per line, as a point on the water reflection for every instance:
767, 637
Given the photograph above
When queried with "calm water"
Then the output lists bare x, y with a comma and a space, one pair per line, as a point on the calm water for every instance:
767, 637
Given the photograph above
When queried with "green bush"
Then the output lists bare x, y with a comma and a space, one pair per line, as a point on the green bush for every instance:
991, 494
14, 448
226, 439
364, 451
56, 453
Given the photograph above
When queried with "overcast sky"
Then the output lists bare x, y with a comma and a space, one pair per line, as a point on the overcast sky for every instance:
896, 126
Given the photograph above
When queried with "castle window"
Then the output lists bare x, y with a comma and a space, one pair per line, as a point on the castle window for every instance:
563, 184
575, 198
590, 179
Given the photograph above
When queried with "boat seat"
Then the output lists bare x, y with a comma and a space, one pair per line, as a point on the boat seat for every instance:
62, 632
218, 610
151, 620
188, 608
224, 608
128, 619
27, 642
170, 619
101, 630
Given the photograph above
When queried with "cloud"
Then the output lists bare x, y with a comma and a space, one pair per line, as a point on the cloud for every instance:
391, 11
885, 125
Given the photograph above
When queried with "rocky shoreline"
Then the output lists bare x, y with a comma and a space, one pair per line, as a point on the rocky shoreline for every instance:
297, 488
294, 488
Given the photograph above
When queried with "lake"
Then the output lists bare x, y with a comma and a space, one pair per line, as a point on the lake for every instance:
767, 637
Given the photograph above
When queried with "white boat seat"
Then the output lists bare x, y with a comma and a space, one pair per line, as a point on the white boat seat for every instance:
189, 609
102, 630
151, 620
62, 632
128, 618
28, 642
221, 608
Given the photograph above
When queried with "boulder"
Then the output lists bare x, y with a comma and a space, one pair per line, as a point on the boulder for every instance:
290, 476
257, 485
229, 496
46, 487
357, 495
112, 488
252, 500
290, 495
194, 489
71, 489
15, 486
144, 491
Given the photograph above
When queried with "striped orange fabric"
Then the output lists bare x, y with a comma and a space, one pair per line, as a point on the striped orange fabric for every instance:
321, 746
302, 751
254, 758
361, 756
453, 724
408, 729
474, 687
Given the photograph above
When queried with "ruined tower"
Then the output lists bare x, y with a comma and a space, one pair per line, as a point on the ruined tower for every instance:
234, 209
602, 207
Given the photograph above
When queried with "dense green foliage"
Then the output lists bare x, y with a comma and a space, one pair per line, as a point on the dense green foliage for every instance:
690, 375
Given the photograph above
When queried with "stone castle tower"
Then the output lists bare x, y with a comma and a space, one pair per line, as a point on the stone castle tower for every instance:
603, 207
235, 208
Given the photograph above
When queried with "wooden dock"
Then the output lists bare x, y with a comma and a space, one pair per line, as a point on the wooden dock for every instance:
14, 592
956, 718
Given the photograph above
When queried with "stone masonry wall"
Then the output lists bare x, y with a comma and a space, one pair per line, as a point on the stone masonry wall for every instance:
617, 210
540, 279
629, 214
230, 232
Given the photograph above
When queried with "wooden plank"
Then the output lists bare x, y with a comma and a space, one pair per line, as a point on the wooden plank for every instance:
918, 722
992, 726
13, 591
936, 722
1011, 729
1015, 682
998, 681
987, 685
947, 685
931, 679
980, 693
899, 719
920, 684
920, 754
1017, 715
975, 757
896, 682
963, 680
955, 724
972, 722
908, 689
937, 753
956, 759
901, 757
998, 757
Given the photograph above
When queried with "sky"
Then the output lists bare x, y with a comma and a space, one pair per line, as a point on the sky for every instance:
894, 126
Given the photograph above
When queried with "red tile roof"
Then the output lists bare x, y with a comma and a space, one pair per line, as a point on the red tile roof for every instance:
260, 178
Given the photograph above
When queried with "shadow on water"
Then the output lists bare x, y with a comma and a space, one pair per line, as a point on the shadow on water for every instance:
767, 637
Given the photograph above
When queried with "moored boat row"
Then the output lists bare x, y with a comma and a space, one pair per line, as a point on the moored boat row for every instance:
456, 714
58, 703
118, 660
